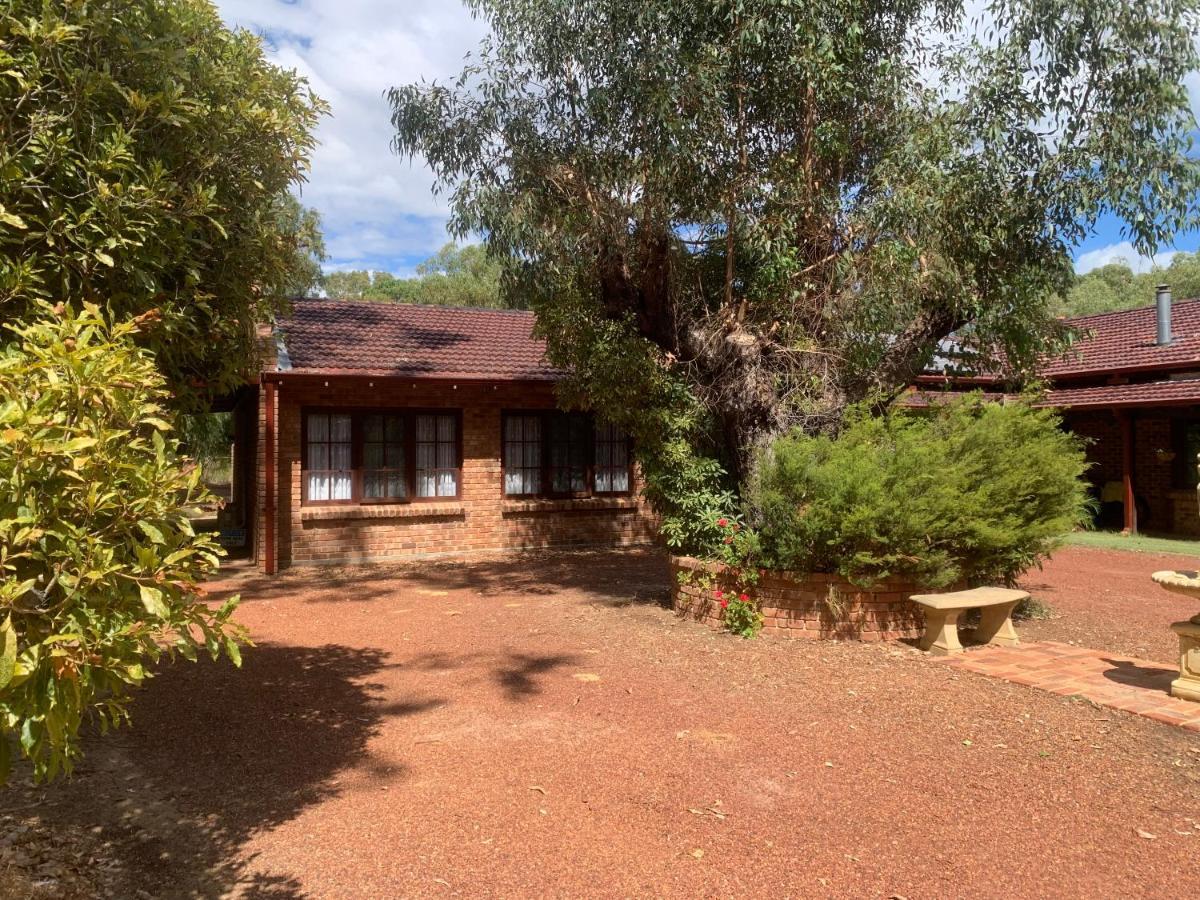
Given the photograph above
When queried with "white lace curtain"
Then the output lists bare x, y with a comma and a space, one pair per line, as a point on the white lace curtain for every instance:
437, 452
328, 457
522, 454
612, 459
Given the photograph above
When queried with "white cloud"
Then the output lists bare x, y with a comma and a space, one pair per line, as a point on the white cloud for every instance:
1121, 252
377, 209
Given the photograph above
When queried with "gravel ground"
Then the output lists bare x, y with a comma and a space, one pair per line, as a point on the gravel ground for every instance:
544, 727
1105, 599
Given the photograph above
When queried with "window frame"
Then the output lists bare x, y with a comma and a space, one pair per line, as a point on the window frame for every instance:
541, 444
547, 492
1184, 476
357, 414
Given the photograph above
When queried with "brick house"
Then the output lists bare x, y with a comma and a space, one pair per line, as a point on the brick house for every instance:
1131, 385
384, 431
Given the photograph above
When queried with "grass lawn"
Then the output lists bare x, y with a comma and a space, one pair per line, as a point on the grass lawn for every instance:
1138, 543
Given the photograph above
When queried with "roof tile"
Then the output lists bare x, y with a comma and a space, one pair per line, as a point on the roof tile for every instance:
1182, 391
1125, 340
406, 340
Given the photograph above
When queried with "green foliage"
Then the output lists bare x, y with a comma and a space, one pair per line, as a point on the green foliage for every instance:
624, 381
99, 563
1033, 608
738, 550
146, 154
788, 205
1116, 286
455, 276
740, 613
207, 438
974, 491
303, 227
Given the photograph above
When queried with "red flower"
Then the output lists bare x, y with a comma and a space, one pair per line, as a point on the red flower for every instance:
722, 522
718, 594
745, 598
724, 604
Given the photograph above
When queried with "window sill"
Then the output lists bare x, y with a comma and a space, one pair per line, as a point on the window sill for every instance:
381, 511
583, 503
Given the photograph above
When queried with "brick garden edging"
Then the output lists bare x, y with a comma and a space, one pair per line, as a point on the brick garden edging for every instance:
811, 605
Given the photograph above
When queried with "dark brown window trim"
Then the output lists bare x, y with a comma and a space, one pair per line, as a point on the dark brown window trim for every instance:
546, 468
357, 414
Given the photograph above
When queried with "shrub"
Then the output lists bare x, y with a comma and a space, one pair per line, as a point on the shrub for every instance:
975, 490
99, 563
740, 613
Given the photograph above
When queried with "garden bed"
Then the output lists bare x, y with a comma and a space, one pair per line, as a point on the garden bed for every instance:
813, 605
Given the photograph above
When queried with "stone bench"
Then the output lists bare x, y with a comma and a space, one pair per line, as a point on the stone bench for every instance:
942, 611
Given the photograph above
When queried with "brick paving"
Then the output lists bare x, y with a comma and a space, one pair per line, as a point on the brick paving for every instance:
1109, 679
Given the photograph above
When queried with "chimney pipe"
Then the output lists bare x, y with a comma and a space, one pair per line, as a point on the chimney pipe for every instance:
1162, 300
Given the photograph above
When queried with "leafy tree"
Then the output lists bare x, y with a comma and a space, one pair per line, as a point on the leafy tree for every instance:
1182, 274
352, 284
454, 276
99, 565
782, 208
305, 225
146, 153
1116, 286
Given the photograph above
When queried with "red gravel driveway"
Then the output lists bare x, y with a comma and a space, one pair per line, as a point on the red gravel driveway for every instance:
545, 727
1105, 599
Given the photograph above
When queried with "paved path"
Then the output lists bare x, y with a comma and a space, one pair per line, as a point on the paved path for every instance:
1110, 679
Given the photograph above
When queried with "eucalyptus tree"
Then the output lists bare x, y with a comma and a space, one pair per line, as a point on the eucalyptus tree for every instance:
777, 209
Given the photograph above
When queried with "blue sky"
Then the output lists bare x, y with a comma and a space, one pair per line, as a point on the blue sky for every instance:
377, 209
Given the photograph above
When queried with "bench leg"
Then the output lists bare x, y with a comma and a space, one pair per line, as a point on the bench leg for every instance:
941, 632
996, 627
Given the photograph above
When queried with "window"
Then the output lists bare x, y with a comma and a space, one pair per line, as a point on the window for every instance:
570, 447
383, 457
380, 456
437, 456
1187, 446
557, 454
328, 457
522, 455
612, 460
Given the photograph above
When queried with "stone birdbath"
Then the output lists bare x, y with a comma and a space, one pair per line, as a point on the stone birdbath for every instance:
1187, 685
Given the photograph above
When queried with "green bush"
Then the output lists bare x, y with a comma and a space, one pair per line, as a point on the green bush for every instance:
976, 491
99, 563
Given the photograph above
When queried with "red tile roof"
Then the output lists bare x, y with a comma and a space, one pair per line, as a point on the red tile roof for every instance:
1124, 341
341, 337
1151, 393
923, 399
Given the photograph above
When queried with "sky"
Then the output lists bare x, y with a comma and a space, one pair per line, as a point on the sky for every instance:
377, 209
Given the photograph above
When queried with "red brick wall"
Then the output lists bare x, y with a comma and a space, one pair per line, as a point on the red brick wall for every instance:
805, 605
482, 520
1154, 472
1104, 444
1153, 475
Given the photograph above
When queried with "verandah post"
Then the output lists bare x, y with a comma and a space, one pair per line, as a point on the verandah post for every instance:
1127, 446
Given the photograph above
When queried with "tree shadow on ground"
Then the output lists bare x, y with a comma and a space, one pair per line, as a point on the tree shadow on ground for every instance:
218, 755
615, 577
518, 674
